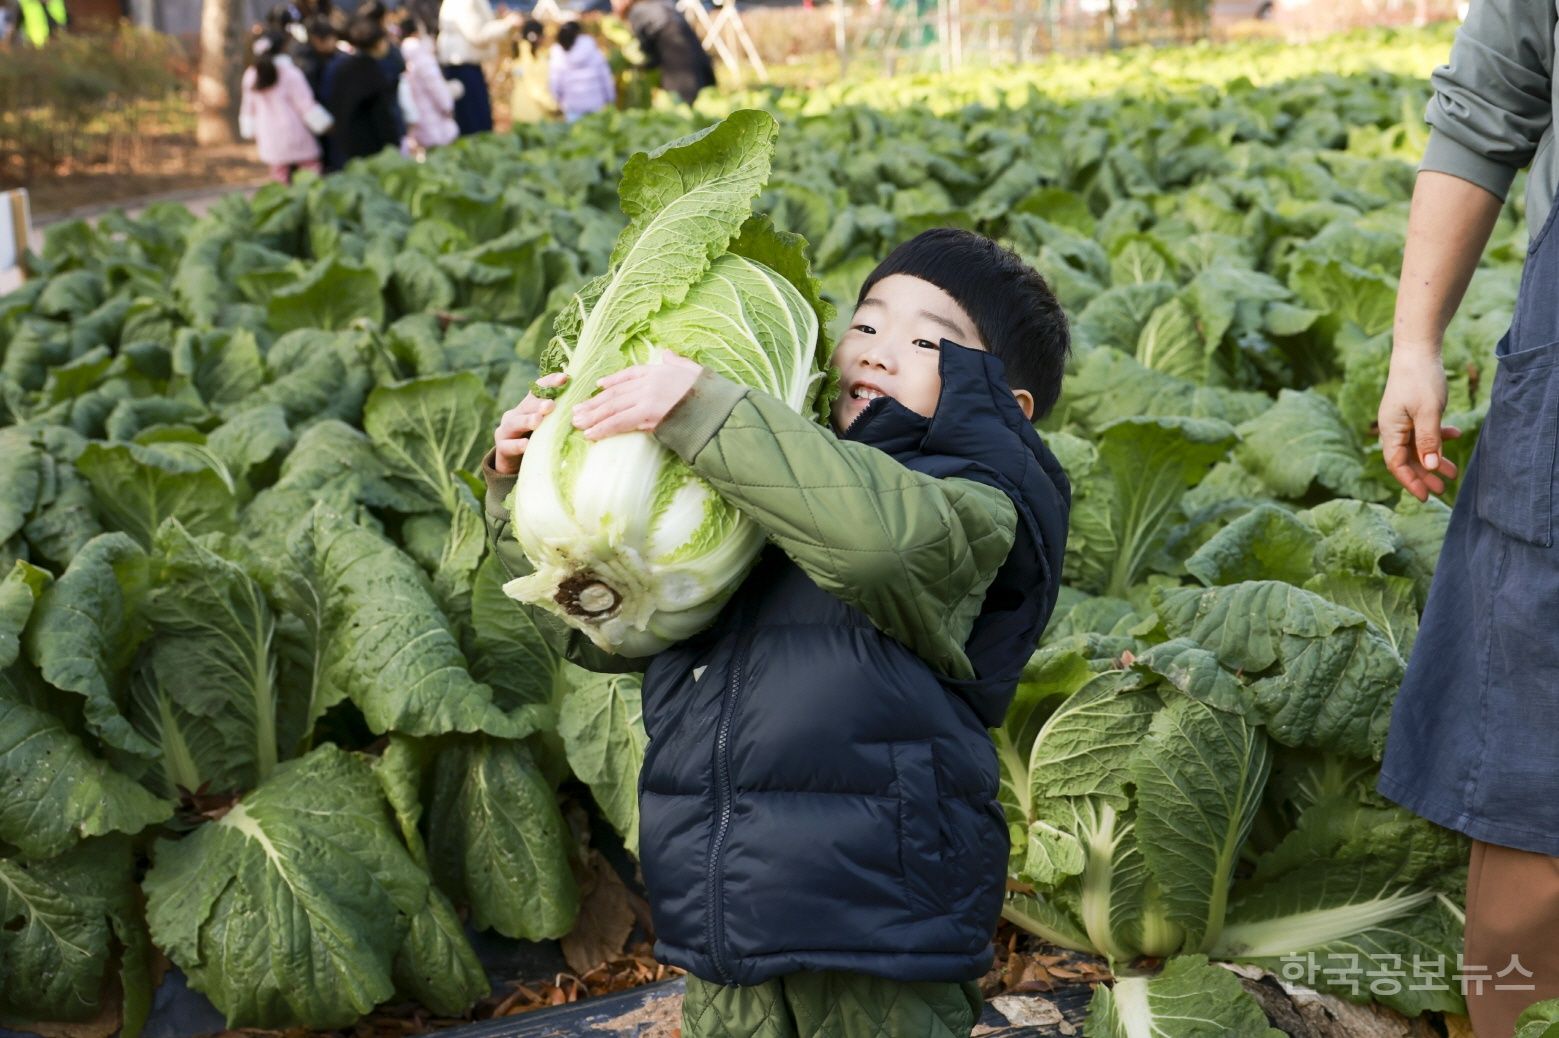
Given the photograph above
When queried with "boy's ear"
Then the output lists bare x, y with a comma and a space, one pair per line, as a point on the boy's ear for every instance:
1026, 401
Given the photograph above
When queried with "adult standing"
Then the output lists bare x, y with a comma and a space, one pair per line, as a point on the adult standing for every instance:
468, 35
1474, 736
669, 44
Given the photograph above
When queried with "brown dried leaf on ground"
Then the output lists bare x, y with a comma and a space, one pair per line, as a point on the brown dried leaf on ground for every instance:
605, 917
1024, 963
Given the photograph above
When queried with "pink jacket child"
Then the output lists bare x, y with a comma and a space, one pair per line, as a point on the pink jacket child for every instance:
278, 112
431, 94
578, 74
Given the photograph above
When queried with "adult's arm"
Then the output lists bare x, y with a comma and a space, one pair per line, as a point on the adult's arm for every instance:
1492, 104
1448, 225
1493, 100
475, 22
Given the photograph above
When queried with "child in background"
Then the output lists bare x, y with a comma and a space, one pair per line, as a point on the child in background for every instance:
430, 93
530, 98
278, 112
819, 829
578, 74
316, 61
323, 49
362, 100
392, 63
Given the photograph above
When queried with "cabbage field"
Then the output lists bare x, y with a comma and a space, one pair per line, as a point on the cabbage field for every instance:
265, 707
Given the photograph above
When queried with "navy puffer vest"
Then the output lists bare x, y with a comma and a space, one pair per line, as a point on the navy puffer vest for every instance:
813, 795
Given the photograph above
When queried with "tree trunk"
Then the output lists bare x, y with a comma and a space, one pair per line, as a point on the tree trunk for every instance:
142, 14
221, 65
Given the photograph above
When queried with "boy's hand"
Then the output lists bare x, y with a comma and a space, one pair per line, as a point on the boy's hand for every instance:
637, 399
513, 433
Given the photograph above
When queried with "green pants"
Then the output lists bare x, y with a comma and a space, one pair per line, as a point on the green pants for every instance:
834, 1004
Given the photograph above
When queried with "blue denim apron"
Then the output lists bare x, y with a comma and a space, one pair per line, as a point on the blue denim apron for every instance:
1474, 736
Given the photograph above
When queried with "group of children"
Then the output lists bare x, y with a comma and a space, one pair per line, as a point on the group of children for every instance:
316, 97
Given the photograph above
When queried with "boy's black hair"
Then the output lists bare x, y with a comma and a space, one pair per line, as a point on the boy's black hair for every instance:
568, 33
320, 28
1012, 307
364, 34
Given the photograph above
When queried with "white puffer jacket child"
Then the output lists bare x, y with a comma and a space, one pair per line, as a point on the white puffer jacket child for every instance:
579, 76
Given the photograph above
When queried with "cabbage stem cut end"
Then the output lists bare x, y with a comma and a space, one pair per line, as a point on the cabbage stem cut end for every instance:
585, 594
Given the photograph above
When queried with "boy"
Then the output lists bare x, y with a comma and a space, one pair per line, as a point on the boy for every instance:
819, 831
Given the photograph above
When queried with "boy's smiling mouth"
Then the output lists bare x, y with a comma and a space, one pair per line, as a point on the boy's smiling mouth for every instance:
865, 391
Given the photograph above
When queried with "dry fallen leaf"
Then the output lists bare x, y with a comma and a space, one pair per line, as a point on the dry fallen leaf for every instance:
605, 917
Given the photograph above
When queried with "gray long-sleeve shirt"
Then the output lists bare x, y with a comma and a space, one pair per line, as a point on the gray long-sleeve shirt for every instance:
1493, 108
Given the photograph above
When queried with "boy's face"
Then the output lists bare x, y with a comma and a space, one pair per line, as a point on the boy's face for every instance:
891, 347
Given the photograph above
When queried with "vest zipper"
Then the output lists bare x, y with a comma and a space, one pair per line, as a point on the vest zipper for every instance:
715, 932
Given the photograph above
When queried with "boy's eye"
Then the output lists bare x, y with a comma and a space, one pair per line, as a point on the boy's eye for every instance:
928, 344
868, 329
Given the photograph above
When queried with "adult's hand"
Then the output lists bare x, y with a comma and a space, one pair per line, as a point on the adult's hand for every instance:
1411, 435
1448, 225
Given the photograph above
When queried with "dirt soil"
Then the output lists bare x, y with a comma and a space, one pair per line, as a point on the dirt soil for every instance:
164, 163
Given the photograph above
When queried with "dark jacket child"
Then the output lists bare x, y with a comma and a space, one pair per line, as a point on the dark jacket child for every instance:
321, 52
316, 60
820, 834
362, 100
392, 62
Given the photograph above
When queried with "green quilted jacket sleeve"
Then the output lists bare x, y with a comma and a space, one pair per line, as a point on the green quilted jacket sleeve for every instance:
566, 641
913, 552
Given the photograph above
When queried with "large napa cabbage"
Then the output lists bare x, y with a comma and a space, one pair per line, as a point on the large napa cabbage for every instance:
628, 544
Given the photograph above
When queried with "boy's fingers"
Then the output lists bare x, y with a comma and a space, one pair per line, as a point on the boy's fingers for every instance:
557, 378
625, 375
603, 403
512, 450
523, 419
622, 421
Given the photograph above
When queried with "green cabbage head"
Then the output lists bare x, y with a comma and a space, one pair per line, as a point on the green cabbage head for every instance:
629, 545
